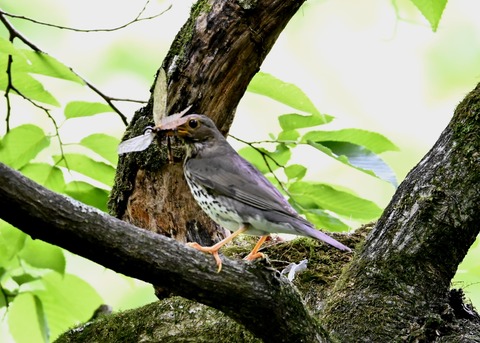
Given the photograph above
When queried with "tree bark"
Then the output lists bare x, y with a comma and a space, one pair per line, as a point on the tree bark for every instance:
396, 288
209, 66
261, 298
408, 261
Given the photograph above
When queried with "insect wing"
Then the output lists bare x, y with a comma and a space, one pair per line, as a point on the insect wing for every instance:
160, 97
138, 143
173, 120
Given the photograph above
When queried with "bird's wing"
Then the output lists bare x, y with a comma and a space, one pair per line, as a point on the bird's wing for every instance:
238, 179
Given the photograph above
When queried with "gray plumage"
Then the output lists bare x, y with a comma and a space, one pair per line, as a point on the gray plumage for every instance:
232, 191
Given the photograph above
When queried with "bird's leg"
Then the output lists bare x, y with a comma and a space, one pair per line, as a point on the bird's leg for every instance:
254, 253
216, 247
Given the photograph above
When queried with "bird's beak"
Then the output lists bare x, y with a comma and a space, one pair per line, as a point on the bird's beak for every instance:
174, 128
182, 131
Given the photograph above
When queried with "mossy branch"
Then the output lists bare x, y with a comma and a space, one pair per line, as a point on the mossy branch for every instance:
264, 295
410, 257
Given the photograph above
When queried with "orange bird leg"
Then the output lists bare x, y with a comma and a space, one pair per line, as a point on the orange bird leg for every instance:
254, 253
216, 247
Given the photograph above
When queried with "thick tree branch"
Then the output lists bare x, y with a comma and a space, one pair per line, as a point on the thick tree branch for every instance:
209, 65
249, 293
412, 254
219, 50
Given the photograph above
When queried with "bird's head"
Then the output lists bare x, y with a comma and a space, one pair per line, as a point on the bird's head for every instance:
193, 128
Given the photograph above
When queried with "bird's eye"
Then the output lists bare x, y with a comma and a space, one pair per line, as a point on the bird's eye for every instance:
193, 123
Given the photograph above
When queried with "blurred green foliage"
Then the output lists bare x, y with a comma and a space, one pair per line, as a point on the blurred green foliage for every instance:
36, 291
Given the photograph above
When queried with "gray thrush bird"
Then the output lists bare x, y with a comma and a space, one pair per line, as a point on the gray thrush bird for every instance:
231, 191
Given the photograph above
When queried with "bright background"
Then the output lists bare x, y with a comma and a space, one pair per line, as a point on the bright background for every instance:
373, 64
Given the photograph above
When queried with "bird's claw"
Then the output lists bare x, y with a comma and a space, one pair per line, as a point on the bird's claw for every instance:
251, 257
209, 250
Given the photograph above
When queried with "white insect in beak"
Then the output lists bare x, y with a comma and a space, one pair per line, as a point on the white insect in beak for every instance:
162, 121
138, 143
142, 142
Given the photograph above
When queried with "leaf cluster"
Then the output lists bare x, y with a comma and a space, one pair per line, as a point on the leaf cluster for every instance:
36, 291
34, 285
325, 205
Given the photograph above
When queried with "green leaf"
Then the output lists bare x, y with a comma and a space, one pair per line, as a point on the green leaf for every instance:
23, 320
3, 297
76, 109
67, 300
41, 63
29, 87
43, 255
7, 48
323, 220
12, 241
312, 195
85, 165
45, 174
373, 141
359, 158
280, 156
23, 277
283, 92
432, 10
21, 144
88, 194
104, 145
255, 157
42, 319
296, 121
288, 136
295, 171
31, 286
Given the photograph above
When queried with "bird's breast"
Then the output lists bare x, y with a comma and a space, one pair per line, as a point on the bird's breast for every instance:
214, 206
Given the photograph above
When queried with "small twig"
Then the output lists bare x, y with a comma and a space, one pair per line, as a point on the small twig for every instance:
137, 19
109, 100
129, 100
47, 112
266, 141
12, 34
7, 91
15, 34
105, 97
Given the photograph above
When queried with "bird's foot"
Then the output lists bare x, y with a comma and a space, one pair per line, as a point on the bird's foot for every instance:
254, 254
211, 250
251, 257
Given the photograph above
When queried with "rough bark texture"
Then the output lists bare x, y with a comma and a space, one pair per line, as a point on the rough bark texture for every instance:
210, 63
412, 254
395, 289
261, 298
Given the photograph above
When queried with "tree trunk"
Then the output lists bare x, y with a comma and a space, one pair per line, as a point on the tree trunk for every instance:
412, 254
395, 287
209, 66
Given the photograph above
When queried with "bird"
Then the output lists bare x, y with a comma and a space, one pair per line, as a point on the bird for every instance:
231, 191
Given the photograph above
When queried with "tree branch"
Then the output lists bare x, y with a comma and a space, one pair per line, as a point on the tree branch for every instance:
15, 34
265, 296
137, 19
412, 254
209, 65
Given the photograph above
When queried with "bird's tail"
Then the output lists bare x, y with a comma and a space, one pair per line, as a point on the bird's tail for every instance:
312, 232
